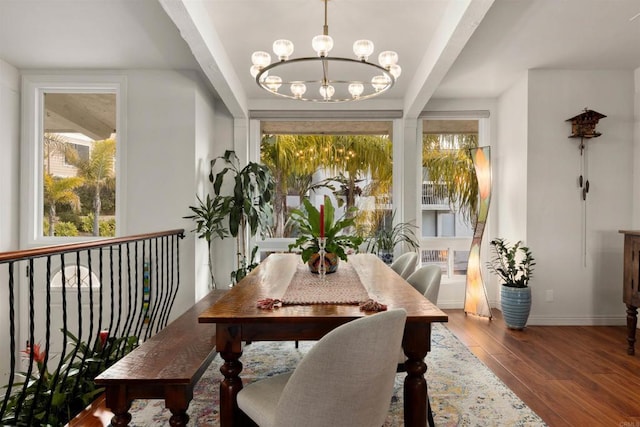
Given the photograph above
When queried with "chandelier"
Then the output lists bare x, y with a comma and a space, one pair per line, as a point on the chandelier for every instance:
325, 78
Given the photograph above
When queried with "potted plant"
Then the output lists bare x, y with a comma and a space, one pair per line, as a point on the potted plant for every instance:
307, 221
208, 216
248, 207
513, 263
385, 238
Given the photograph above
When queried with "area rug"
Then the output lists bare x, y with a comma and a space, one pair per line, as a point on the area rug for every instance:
462, 390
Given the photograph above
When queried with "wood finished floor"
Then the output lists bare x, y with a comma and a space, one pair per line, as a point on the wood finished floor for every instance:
568, 375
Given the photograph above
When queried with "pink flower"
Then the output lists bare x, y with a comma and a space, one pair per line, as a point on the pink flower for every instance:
103, 338
37, 355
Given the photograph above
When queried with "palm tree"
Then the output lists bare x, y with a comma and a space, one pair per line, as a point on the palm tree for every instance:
60, 191
97, 171
358, 156
291, 162
293, 159
54, 143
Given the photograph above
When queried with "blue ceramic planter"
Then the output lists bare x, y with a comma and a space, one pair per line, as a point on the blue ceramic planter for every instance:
516, 305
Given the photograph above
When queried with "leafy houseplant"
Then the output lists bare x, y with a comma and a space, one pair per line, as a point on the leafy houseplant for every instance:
54, 398
384, 239
514, 265
308, 223
208, 216
249, 206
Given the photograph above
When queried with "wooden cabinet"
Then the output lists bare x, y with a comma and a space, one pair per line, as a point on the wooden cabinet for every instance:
631, 284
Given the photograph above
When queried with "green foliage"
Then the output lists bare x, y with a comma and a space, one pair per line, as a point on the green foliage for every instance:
447, 159
107, 197
245, 266
65, 229
512, 263
308, 223
250, 201
386, 238
69, 388
209, 216
249, 206
107, 226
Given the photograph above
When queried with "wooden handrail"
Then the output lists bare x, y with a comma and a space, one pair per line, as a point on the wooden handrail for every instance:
92, 244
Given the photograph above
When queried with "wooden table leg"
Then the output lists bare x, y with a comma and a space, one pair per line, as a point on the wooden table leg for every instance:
117, 400
230, 347
229, 389
632, 323
416, 343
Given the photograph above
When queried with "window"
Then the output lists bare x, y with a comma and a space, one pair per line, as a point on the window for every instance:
71, 155
448, 190
349, 161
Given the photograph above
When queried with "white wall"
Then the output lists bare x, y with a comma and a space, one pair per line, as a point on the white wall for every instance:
9, 160
9, 183
170, 127
510, 164
576, 244
224, 250
214, 135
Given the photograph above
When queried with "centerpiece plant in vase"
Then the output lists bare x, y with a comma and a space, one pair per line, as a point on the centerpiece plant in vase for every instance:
513, 263
307, 221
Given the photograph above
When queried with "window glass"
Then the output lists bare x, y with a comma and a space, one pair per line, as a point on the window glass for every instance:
448, 188
79, 146
351, 162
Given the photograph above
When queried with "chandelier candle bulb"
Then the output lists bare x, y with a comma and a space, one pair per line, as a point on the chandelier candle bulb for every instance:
283, 48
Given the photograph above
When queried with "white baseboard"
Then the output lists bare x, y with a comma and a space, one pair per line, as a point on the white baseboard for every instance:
552, 320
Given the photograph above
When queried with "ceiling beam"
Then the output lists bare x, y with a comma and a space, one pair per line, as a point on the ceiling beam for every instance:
460, 20
192, 20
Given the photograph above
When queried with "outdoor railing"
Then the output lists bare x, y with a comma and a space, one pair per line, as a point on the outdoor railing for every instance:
68, 312
434, 193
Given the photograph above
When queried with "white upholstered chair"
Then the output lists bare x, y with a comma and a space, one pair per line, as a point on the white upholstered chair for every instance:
346, 379
426, 280
405, 264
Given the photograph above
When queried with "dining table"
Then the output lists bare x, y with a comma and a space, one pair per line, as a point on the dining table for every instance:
281, 300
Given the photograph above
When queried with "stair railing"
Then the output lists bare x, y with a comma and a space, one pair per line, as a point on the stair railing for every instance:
72, 311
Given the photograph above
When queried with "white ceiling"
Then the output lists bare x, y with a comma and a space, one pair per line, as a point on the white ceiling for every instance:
447, 48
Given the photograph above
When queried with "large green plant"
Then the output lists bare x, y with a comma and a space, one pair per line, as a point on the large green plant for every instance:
513, 263
308, 222
248, 207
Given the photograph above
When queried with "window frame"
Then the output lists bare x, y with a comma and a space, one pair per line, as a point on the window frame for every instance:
34, 86
453, 243
281, 244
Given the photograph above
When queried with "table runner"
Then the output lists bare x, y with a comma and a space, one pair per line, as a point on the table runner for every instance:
342, 287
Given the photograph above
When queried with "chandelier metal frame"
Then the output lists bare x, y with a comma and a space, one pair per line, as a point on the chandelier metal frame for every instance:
381, 78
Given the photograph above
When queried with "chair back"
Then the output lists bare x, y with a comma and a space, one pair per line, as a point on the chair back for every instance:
426, 280
405, 264
347, 378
